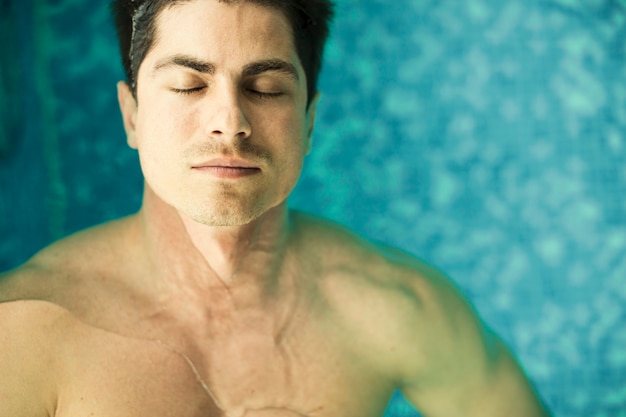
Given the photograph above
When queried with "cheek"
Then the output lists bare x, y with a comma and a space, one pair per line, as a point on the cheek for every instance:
162, 126
288, 133
292, 149
160, 113
156, 144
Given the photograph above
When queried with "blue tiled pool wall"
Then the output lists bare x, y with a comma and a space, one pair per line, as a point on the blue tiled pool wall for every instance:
486, 137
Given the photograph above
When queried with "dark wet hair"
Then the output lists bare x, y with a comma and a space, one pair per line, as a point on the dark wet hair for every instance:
310, 20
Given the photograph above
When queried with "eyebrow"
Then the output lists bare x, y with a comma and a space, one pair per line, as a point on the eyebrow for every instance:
271, 65
186, 62
251, 69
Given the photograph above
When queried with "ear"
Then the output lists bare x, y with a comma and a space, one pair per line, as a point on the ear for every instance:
310, 115
128, 107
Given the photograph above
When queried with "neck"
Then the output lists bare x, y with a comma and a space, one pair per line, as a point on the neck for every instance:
189, 252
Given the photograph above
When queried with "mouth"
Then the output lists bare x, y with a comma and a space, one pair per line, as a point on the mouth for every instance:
227, 168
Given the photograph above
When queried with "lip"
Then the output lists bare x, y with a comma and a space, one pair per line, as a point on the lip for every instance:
227, 168
226, 163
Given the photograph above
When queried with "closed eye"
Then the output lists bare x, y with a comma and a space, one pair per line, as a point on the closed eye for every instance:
188, 91
265, 95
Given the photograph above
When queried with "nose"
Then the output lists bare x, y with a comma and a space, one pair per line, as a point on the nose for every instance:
227, 118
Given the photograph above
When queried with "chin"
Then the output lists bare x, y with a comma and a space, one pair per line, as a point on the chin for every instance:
222, 221
224, 216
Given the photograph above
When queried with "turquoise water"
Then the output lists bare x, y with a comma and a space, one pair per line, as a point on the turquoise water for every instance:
486, 137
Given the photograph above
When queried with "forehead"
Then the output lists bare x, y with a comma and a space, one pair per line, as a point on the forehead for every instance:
223, 32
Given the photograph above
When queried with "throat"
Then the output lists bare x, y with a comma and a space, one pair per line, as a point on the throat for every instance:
254, 251
196, 254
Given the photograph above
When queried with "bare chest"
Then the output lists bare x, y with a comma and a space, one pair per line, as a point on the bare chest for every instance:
243, 371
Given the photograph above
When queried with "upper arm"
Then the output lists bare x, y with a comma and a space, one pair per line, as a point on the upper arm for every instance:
26, 361
455, 365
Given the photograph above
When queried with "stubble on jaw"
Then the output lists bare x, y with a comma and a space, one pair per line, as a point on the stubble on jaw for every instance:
225, 208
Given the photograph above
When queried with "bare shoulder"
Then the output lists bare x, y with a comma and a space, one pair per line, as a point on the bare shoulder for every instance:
376, 264
388, 292
30, 332
27, 320
63, 264
420, 329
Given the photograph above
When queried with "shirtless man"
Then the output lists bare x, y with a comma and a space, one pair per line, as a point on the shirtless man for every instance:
215, 299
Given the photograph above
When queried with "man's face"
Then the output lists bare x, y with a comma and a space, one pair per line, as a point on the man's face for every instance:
221, 124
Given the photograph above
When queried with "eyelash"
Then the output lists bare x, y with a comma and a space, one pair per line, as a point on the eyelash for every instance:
187, 91
263, 95
190, 91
